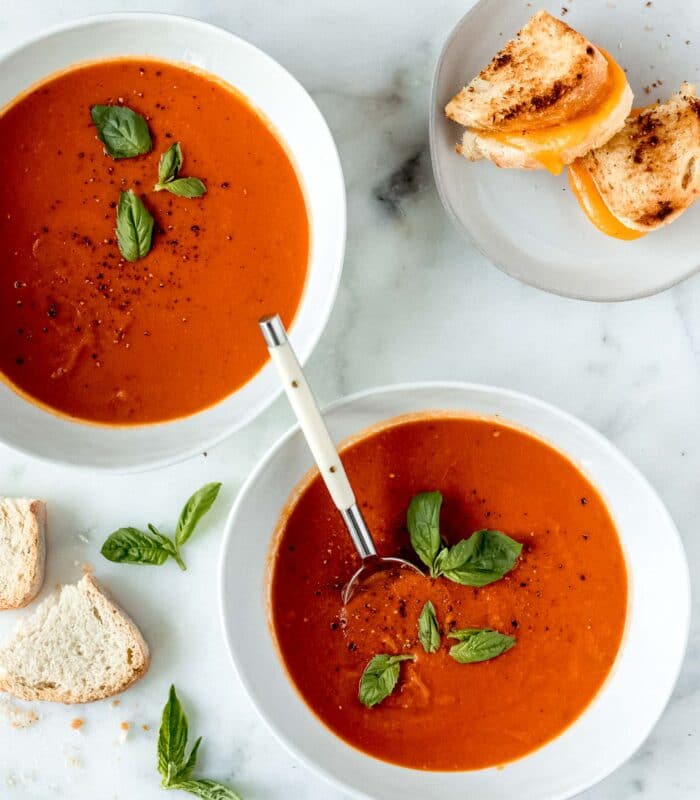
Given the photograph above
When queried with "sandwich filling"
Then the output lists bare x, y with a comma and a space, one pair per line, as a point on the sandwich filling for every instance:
548, 145
591, 201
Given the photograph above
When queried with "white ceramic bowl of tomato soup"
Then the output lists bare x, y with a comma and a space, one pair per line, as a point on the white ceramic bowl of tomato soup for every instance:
298, 124
624, 710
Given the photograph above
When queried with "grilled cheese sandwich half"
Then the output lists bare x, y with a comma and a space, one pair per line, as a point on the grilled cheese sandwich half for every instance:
546, 99
648, 173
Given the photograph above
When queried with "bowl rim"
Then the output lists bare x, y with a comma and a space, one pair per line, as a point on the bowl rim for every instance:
322, 311
466, 233
407, 386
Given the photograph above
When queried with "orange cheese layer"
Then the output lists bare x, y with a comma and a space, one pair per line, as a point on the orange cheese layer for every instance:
593, 205
548, 144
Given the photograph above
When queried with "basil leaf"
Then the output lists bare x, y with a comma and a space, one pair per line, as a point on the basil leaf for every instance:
170, 163
481, 559
172, 738
479, 644
423, 521
172, 743
134, 226
123, 132
379, 678
183, 187
428, 629
132, 546
208, 790
195, 508
185, 772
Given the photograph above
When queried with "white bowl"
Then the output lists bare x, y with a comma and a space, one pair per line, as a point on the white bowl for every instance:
528, 223
286, 104
619, 718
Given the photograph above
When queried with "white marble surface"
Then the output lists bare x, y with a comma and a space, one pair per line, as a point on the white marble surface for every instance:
416, 302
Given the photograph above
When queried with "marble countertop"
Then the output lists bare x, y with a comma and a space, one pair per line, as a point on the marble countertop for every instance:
416, 303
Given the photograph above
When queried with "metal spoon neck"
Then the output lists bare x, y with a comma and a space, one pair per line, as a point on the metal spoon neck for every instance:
359, 532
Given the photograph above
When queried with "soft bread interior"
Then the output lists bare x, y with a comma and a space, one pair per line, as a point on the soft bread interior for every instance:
22, 550
77, 646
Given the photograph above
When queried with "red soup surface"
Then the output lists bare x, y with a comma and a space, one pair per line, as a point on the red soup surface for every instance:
564, 601
93, 336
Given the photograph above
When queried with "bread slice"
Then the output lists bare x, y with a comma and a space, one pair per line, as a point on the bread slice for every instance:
548, 74
649, 173
78, 646
22, 550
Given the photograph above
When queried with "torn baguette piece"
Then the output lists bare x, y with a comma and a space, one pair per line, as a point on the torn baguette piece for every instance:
648, 174
546, 99
77, 647
22, 550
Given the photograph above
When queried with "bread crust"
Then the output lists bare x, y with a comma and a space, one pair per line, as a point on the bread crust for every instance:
547, 74
34, 528
648, 174
140, 655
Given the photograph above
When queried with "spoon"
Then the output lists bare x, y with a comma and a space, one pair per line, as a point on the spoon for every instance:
326, 456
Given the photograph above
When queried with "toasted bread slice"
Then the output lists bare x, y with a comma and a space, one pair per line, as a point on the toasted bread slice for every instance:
548, 74
22, 550
78, 646
649, 173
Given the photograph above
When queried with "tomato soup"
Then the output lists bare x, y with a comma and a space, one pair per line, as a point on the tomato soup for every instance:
94, 336
564, 601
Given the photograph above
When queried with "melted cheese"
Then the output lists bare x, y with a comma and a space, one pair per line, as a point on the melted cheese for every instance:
593, 205
548, 144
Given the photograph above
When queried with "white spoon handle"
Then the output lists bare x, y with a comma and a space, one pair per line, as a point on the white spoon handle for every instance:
307, 413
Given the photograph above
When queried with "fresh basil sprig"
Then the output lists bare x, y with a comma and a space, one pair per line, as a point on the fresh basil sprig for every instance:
169, 168
134, 226
479, 644
122, 131
486, 556
134, 546
175, 770
428, 629
379, 678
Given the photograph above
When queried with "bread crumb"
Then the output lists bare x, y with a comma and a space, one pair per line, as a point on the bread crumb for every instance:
146, 727
116, 703
123, 732
87, 568
16, 716
77, 724
73, 761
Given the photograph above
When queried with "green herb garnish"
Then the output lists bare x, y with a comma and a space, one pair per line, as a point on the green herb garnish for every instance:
486, 556
123, 132
176, 771
423, 518
479, 644
379, 678
168, 170
134, 546
134, 226
428, 629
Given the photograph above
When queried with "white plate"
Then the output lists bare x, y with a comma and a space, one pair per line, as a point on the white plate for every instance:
609, 731
528, 223
295, 116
